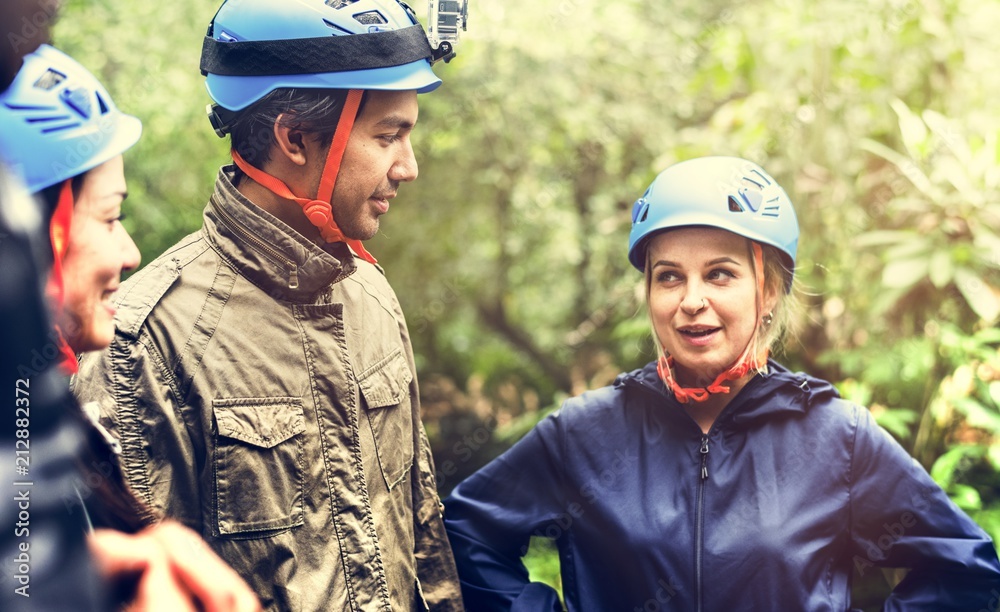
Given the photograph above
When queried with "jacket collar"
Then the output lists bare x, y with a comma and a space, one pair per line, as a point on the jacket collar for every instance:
779, 391
268, 252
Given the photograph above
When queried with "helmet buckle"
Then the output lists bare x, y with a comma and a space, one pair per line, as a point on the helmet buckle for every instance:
220, 118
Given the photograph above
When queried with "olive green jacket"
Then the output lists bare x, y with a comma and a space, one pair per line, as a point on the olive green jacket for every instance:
264, 393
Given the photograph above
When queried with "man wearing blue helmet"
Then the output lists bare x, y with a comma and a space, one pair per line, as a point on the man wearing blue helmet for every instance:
261, 381
715, 478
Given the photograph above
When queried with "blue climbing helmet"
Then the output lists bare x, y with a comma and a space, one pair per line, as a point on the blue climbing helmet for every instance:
256, 46
724, 192
59, 121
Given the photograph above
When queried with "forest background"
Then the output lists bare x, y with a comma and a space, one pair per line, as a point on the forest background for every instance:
879, 117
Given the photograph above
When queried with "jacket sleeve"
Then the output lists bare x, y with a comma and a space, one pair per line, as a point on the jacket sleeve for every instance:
136, 399
437, 577
901, 518
491, 516
435, 563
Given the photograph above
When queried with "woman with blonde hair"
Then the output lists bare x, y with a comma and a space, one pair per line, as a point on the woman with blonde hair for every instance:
714, 478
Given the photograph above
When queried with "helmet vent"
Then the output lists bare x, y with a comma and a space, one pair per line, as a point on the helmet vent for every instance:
79, 100
50, 79
28, 107
102, 104
59, 128
773, 210
339, 4
371, 18
47, 118
751, 199
762, 176
336, 27
734, 206
643, 214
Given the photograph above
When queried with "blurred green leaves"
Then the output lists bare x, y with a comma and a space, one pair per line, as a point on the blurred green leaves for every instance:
951, 199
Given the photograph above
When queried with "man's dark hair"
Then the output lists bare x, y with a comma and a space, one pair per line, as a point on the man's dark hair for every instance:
316, 111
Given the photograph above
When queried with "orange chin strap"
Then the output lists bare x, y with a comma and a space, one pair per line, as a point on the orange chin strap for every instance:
745, 363
319, 211
55, 289
664, 367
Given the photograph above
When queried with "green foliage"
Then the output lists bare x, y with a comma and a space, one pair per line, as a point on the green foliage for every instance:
542, 562
148, 56
947, 217
967, 406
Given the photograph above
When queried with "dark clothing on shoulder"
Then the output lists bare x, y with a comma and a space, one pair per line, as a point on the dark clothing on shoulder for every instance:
791, 493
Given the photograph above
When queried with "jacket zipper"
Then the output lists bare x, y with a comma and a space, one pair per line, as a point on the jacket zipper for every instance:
269, 252
700, 517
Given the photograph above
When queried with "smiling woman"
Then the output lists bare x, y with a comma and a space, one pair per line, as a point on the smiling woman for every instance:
97, 252
65, 136
700, 285
74, 163
714, 478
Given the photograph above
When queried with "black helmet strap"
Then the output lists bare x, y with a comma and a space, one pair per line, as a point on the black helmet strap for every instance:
315, 55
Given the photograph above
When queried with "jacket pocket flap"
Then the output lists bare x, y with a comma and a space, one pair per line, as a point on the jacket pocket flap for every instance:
387, 382
264, 422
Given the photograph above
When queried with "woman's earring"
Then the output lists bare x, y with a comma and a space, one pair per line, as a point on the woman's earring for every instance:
766, 319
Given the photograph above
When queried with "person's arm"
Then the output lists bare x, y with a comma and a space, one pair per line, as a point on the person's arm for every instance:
436, 571
435, 563
169, 568
491, 516
901, 518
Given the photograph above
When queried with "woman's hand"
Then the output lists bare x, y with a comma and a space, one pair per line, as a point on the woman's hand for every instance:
173, 570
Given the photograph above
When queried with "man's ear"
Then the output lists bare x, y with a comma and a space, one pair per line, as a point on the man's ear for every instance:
291, 142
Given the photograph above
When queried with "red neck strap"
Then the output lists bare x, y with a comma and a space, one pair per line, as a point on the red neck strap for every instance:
664, 367
319, 211
344, 126
55, 288
745, 363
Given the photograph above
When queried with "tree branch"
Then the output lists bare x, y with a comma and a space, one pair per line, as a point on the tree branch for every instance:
495, 317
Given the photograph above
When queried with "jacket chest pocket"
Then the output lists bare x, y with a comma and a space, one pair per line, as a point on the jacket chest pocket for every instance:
258, 464
385, 395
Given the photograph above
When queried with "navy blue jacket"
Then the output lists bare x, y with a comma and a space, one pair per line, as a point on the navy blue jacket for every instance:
792, 492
